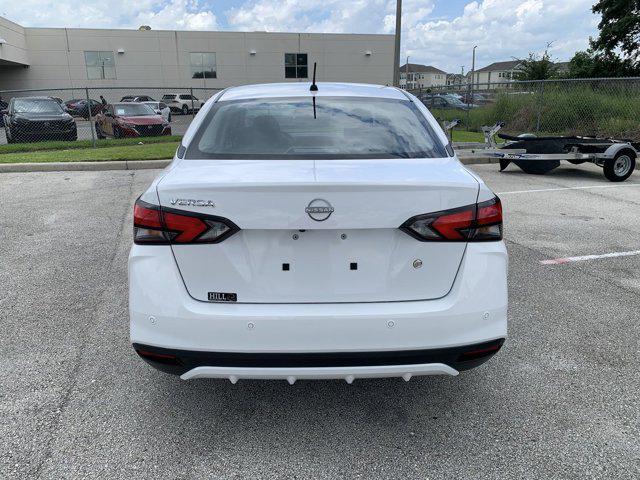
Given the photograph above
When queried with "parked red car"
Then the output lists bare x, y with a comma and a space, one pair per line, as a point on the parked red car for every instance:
78, 107
130, 120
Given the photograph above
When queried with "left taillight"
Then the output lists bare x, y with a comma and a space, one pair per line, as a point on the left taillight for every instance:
479, 222
153, 225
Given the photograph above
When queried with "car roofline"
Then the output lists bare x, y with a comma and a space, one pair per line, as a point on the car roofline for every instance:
301, 89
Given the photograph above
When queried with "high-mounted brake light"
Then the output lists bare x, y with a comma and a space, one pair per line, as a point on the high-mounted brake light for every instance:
479, 222
161, 226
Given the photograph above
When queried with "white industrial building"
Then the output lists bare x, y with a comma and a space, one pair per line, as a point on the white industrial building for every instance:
33, 58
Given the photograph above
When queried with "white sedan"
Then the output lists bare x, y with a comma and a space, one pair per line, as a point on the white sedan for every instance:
322, 234
161, 109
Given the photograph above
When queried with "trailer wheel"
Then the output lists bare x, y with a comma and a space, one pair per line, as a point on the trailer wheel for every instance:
620, 167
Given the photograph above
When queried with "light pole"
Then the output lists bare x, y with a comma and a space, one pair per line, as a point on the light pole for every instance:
103, 61
406, 74
473, 73
396, 53
473, 65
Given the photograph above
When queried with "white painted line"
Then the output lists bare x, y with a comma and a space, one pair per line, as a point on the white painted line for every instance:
569, 188
558, 261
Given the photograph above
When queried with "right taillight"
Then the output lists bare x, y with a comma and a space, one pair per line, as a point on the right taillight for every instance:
479, 222
161, 226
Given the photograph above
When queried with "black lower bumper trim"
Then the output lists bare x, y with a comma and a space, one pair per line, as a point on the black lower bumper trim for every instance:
178, 362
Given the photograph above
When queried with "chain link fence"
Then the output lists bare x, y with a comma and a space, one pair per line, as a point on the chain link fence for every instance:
94, 116
604, 107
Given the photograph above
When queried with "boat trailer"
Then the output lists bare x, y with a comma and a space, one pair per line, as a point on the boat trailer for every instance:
540, 155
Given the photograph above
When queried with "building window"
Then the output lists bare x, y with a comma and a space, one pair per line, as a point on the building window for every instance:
203, 65
295, 65
100, 65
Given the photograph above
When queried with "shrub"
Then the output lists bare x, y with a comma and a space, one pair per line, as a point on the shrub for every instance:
604, 108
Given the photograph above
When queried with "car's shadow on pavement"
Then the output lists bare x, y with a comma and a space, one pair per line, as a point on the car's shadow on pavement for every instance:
567, 172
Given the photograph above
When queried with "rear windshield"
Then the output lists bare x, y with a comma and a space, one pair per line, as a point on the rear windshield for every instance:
134, 110
29, 105
343, 127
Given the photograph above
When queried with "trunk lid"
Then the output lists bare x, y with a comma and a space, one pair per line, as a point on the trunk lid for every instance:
357, 254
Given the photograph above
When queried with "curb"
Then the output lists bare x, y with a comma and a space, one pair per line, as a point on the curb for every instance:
477, 160
82, 166
136, 165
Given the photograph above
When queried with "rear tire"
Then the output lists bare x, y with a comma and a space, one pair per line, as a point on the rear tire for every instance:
620, 167
185, 110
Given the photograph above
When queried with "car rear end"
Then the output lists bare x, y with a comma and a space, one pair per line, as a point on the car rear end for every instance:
278, 255
171, 100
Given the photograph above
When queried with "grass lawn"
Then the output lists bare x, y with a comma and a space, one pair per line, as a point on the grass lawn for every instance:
62, 145
462, 136
148, 151
153, 148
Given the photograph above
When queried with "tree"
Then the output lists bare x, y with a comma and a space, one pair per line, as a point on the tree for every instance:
616, 51
536, 67
592, 64
619, 28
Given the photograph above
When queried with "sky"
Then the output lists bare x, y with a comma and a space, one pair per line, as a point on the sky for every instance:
441, 33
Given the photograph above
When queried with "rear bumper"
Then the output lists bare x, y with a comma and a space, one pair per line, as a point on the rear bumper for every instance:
164, 318
326, 365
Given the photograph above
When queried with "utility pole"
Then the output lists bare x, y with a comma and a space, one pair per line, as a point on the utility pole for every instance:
396, 53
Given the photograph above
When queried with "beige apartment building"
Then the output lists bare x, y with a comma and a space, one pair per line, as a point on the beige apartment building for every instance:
415, 76
504, 72
497, 72
51, 58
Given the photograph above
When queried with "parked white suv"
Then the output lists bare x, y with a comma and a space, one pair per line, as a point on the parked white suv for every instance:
313, 235
182, 102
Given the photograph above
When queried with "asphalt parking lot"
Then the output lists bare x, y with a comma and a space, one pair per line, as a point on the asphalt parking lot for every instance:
561, 400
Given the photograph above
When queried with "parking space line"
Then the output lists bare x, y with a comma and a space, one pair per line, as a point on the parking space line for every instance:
568, 188
558, 261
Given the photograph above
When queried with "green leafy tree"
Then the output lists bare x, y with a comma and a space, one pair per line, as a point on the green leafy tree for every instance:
616, 51
619, 27
592, 64
536, 67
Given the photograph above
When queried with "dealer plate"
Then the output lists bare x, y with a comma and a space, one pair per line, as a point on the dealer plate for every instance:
222, 297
